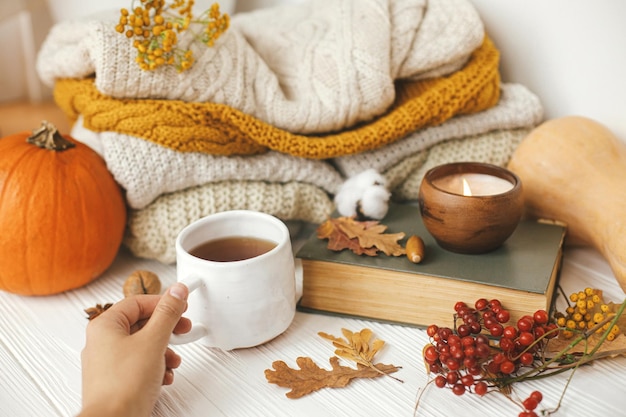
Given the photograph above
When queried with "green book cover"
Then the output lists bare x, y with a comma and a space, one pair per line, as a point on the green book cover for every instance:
526, 262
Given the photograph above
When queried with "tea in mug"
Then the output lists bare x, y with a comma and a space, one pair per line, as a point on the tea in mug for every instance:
236, 248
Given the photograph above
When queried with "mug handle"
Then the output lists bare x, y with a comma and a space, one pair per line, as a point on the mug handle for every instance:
197, 331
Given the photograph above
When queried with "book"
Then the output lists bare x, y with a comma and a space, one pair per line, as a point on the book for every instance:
522, 274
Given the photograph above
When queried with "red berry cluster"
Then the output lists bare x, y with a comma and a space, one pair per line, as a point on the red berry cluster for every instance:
530, 404
457, 359
483, 349
518, 344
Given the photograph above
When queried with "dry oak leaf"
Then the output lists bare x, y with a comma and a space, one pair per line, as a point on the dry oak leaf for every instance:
338, 240
361, 237
310, 377
374, 236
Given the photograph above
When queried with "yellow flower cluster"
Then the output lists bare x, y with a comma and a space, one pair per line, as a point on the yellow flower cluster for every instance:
154, 27
587, 312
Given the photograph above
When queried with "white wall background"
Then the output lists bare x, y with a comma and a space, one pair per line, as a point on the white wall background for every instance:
572, 53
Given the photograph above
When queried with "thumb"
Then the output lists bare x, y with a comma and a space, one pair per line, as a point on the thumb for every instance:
167, 313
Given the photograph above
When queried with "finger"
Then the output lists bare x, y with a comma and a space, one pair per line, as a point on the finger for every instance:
172, 359
127, 312
168, 377
138, 326
167, 314
183, 326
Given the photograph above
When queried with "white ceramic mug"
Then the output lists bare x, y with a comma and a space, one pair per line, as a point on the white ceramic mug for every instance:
237, 304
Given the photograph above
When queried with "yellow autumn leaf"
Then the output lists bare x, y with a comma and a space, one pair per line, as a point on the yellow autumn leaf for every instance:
356, 346
376, 346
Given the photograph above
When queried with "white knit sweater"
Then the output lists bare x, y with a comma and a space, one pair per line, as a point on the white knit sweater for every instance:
317, 66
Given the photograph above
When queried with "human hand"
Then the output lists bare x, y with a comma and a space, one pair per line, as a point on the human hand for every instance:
126, 358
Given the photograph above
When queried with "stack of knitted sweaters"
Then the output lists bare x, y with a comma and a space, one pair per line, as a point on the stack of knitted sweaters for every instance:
290, 102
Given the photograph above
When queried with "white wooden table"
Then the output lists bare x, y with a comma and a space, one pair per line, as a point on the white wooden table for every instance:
41, 339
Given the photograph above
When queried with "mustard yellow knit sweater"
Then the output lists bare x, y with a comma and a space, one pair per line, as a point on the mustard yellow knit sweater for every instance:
222, 130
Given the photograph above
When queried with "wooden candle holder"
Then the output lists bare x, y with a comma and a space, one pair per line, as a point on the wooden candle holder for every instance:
470, 224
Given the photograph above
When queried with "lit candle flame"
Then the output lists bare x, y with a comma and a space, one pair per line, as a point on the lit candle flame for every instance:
466, 188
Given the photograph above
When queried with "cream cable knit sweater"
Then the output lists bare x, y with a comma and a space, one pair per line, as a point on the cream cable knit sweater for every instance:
147, 170
314, 67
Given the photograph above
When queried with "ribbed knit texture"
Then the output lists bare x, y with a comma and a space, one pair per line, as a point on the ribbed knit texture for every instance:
518, 108
313, 67
152, 232
222, 130
146, 170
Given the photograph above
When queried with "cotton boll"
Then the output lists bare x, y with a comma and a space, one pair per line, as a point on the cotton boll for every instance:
347, 201
363, 195
375, 202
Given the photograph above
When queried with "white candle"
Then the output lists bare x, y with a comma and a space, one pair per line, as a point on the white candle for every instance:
479, 184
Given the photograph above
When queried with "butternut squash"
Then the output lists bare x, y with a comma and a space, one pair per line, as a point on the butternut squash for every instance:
573, 170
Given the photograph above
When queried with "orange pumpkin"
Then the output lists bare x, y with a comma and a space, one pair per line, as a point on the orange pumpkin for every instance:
62, 215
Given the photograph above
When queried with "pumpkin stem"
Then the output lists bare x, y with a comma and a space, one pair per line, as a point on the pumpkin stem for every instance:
48, 137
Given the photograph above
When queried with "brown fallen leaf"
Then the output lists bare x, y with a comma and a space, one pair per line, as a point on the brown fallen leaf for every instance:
361, 237
338, 240
374, 236
615, 347
597, 316
310, 377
